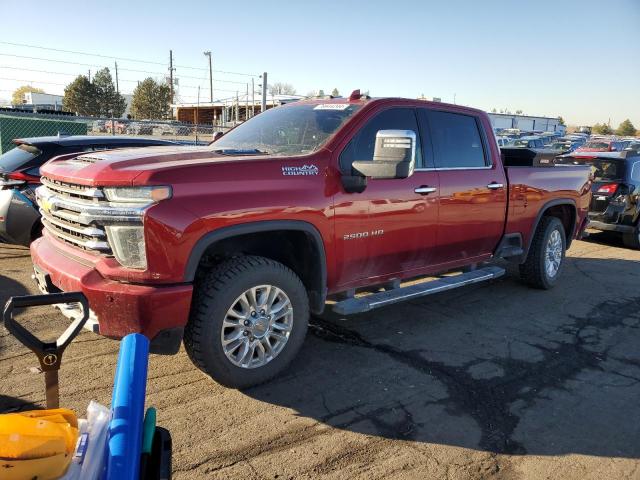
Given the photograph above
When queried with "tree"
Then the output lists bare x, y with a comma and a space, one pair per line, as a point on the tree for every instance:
109, 101
561, 121
602, 129
280, 88
151, 100
493, 110
335, 92
17, 97
518, 112
626, 129
80, 97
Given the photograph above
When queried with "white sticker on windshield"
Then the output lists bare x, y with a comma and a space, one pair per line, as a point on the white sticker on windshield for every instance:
332, 106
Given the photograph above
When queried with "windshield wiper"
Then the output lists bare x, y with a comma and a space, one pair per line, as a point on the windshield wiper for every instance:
241, 151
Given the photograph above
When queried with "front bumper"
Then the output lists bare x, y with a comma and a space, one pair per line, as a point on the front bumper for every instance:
118, 308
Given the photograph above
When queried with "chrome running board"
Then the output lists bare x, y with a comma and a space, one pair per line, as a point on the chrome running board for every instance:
388, 297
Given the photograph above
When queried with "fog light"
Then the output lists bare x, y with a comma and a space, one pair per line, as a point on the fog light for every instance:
127, 243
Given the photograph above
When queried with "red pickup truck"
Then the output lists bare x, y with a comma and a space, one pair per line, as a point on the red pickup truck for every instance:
231, 246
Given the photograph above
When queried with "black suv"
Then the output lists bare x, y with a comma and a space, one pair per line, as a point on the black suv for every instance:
20, 175
615, 205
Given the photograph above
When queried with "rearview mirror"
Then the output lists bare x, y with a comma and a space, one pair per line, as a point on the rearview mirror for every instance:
393, 157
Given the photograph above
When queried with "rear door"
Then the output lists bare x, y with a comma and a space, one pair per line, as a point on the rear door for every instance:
472, 200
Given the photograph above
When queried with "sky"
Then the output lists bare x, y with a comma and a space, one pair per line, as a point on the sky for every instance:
577, 59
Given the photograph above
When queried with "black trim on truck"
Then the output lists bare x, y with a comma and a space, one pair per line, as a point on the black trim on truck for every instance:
317, 296
547, 206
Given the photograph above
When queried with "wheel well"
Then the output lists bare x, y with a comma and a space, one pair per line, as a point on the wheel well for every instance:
567, 215
296, 249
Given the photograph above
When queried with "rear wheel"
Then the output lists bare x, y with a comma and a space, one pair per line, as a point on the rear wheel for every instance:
248, 320
546, 254
632, 240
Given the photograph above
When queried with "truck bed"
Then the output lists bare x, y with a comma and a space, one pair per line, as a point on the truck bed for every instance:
533, 187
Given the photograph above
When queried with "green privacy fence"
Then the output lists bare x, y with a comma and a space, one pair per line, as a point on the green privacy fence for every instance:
22, 127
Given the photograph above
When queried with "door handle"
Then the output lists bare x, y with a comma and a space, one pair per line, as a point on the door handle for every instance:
495, 186
425, 190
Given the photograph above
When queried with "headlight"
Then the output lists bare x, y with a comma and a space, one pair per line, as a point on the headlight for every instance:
144, 195
128, 245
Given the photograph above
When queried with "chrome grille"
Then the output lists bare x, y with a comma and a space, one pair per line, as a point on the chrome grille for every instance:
62, 206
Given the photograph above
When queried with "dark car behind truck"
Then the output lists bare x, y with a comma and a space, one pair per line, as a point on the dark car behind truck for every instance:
20, 175
233, 245
615, 205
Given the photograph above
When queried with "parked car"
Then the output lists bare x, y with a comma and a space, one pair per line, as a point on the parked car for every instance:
20, 175
140, 128
503, 141
633, 146
527, 142
616, 192
233, 244
602, 145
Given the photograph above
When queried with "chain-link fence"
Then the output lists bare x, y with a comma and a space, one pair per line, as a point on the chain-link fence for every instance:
20, 124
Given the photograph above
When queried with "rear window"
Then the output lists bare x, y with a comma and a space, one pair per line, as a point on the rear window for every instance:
18, 157
602, 169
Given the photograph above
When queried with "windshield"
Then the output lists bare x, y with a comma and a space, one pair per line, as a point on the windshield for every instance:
601, 145
289, 130
602, 169
17, 157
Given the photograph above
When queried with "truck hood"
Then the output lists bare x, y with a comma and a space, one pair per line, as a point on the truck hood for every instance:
130, 166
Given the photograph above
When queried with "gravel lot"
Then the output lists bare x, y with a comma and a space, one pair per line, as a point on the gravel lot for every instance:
492, 381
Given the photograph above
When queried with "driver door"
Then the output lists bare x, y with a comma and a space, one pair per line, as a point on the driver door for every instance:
390, 228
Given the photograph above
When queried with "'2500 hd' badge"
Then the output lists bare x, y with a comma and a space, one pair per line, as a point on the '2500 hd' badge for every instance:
304, 170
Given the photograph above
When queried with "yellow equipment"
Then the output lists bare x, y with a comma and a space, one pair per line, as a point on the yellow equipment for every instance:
37, 444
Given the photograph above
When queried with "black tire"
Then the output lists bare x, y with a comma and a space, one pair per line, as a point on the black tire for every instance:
533, 271
632, 240
215, 293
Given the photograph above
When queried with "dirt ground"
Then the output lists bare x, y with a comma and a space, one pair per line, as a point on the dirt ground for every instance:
492, 381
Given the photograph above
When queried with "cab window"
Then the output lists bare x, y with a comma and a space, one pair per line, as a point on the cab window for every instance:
456, 140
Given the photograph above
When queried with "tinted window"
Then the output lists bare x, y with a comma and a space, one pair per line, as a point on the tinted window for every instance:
602, 169
363, 143
456, 140
635, 172
17, 157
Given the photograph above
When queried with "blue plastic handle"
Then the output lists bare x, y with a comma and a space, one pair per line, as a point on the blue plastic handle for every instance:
127, 404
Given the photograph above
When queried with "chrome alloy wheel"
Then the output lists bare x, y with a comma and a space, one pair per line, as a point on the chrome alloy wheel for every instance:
553, 254
257, 326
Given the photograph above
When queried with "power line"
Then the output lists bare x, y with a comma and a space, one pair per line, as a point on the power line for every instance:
149, 62
119, 69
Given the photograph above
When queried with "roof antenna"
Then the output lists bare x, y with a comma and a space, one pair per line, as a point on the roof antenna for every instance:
355, 95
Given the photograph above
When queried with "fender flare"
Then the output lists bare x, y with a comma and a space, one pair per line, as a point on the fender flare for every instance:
545, 207
316, 299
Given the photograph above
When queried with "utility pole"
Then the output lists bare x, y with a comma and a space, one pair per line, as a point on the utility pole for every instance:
117, 86
264, 92
208, 54
253, 98
171, 74
246, 105
237, 107
89, 75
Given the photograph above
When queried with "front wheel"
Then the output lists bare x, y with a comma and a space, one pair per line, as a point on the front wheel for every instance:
546, 254
249, 318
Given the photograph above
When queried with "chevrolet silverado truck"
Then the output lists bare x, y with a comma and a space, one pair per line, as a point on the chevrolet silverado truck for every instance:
355, 202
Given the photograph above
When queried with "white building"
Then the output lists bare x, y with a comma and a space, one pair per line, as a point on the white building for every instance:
526, 123
41, 101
